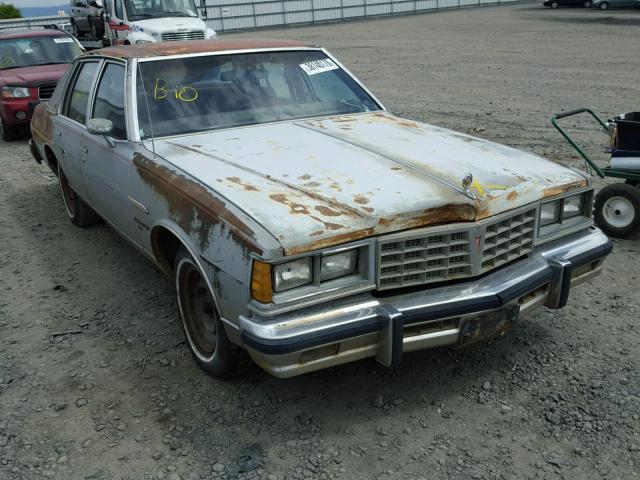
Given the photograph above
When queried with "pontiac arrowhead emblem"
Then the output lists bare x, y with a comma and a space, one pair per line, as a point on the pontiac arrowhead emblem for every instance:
467, 180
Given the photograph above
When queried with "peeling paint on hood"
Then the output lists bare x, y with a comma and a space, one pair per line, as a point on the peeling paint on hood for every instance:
320, 182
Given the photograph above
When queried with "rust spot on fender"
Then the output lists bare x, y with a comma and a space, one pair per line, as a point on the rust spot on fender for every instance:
191, 205
361, 199
306, 176
512, 195
327, 242
550, 192
246, 186
42, 124
367, 209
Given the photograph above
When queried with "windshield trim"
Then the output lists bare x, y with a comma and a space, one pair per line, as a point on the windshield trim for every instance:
136, 70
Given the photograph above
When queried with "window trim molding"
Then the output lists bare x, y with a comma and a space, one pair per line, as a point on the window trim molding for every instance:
71, 84
101, 71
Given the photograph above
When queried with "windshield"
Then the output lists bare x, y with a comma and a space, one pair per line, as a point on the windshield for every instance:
42, 50
142, 9
195, 94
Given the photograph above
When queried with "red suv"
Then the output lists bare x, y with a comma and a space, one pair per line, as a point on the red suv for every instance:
31, 63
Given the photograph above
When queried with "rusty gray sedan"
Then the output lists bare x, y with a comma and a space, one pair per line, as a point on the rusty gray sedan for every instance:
301, 220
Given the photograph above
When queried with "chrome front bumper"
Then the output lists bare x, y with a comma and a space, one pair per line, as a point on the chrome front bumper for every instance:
386, 326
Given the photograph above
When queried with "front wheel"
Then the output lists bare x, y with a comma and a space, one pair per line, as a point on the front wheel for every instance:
603, 6
587, 4
554, 4
617, 210
203, 328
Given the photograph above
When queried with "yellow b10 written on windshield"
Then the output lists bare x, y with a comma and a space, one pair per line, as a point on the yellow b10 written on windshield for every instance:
184, 93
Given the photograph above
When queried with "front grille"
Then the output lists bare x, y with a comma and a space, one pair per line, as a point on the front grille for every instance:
175, 36
45, 91
453, 252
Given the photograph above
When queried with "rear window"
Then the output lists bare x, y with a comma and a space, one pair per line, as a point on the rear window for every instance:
39, 50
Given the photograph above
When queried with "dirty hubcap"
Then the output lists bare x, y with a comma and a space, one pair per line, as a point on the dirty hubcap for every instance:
618, 212
198, 311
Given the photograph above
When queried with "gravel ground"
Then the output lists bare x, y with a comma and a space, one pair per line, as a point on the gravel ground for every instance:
118, 397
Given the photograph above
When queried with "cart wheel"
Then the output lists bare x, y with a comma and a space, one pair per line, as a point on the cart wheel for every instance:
617, 210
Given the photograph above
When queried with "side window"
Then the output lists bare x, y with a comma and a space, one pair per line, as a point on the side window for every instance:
109, 100
78, 98
117, 4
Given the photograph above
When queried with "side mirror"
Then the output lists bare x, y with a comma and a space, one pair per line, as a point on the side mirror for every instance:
103, 127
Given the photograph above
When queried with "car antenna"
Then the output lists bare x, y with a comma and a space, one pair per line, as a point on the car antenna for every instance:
146, 101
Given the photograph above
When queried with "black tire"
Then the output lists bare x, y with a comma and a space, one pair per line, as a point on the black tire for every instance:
603, 6
74, 28
633, 183
207, 340
8, 132
617, 210
80, 214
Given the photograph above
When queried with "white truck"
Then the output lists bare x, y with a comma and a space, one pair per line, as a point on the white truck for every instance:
131, 22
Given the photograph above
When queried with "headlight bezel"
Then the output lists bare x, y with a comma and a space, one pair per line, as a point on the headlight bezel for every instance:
565, 223
359, 279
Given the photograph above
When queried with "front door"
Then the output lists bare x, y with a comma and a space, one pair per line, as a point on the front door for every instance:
106, 168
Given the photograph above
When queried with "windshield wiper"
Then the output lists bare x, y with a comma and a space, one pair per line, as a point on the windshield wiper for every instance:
142, 15
177, 14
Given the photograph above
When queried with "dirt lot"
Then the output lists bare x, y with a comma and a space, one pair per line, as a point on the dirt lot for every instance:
120, 398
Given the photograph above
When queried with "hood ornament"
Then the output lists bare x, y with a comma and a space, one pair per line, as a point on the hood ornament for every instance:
467, 181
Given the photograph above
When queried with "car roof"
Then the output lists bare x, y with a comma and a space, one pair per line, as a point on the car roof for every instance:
162, 49
26, 32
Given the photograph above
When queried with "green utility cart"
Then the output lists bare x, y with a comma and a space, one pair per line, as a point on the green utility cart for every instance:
617, 206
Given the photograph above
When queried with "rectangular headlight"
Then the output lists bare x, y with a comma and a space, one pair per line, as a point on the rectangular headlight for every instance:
573, 206
549, 213
338, 265
16, 92
292, 274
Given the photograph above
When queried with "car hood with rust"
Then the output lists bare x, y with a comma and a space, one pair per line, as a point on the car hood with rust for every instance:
325, 181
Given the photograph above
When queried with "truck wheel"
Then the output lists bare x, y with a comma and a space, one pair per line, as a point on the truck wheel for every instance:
8, 132
80, 214
617, 210
604, 6
203, 329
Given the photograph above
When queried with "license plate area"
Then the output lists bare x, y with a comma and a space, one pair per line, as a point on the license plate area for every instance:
488, 324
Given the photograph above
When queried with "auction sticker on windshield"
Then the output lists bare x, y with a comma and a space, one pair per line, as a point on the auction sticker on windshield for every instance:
319, 66
63, 40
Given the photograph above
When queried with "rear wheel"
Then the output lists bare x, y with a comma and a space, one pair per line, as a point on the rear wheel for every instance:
554, 4
587, 4
617, 210
603, 6
78, 211
203, 328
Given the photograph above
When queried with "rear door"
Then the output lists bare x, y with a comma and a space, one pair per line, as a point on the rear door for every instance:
69, 127
106, 169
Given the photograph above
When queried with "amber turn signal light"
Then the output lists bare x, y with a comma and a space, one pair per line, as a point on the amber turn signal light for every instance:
261, 289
